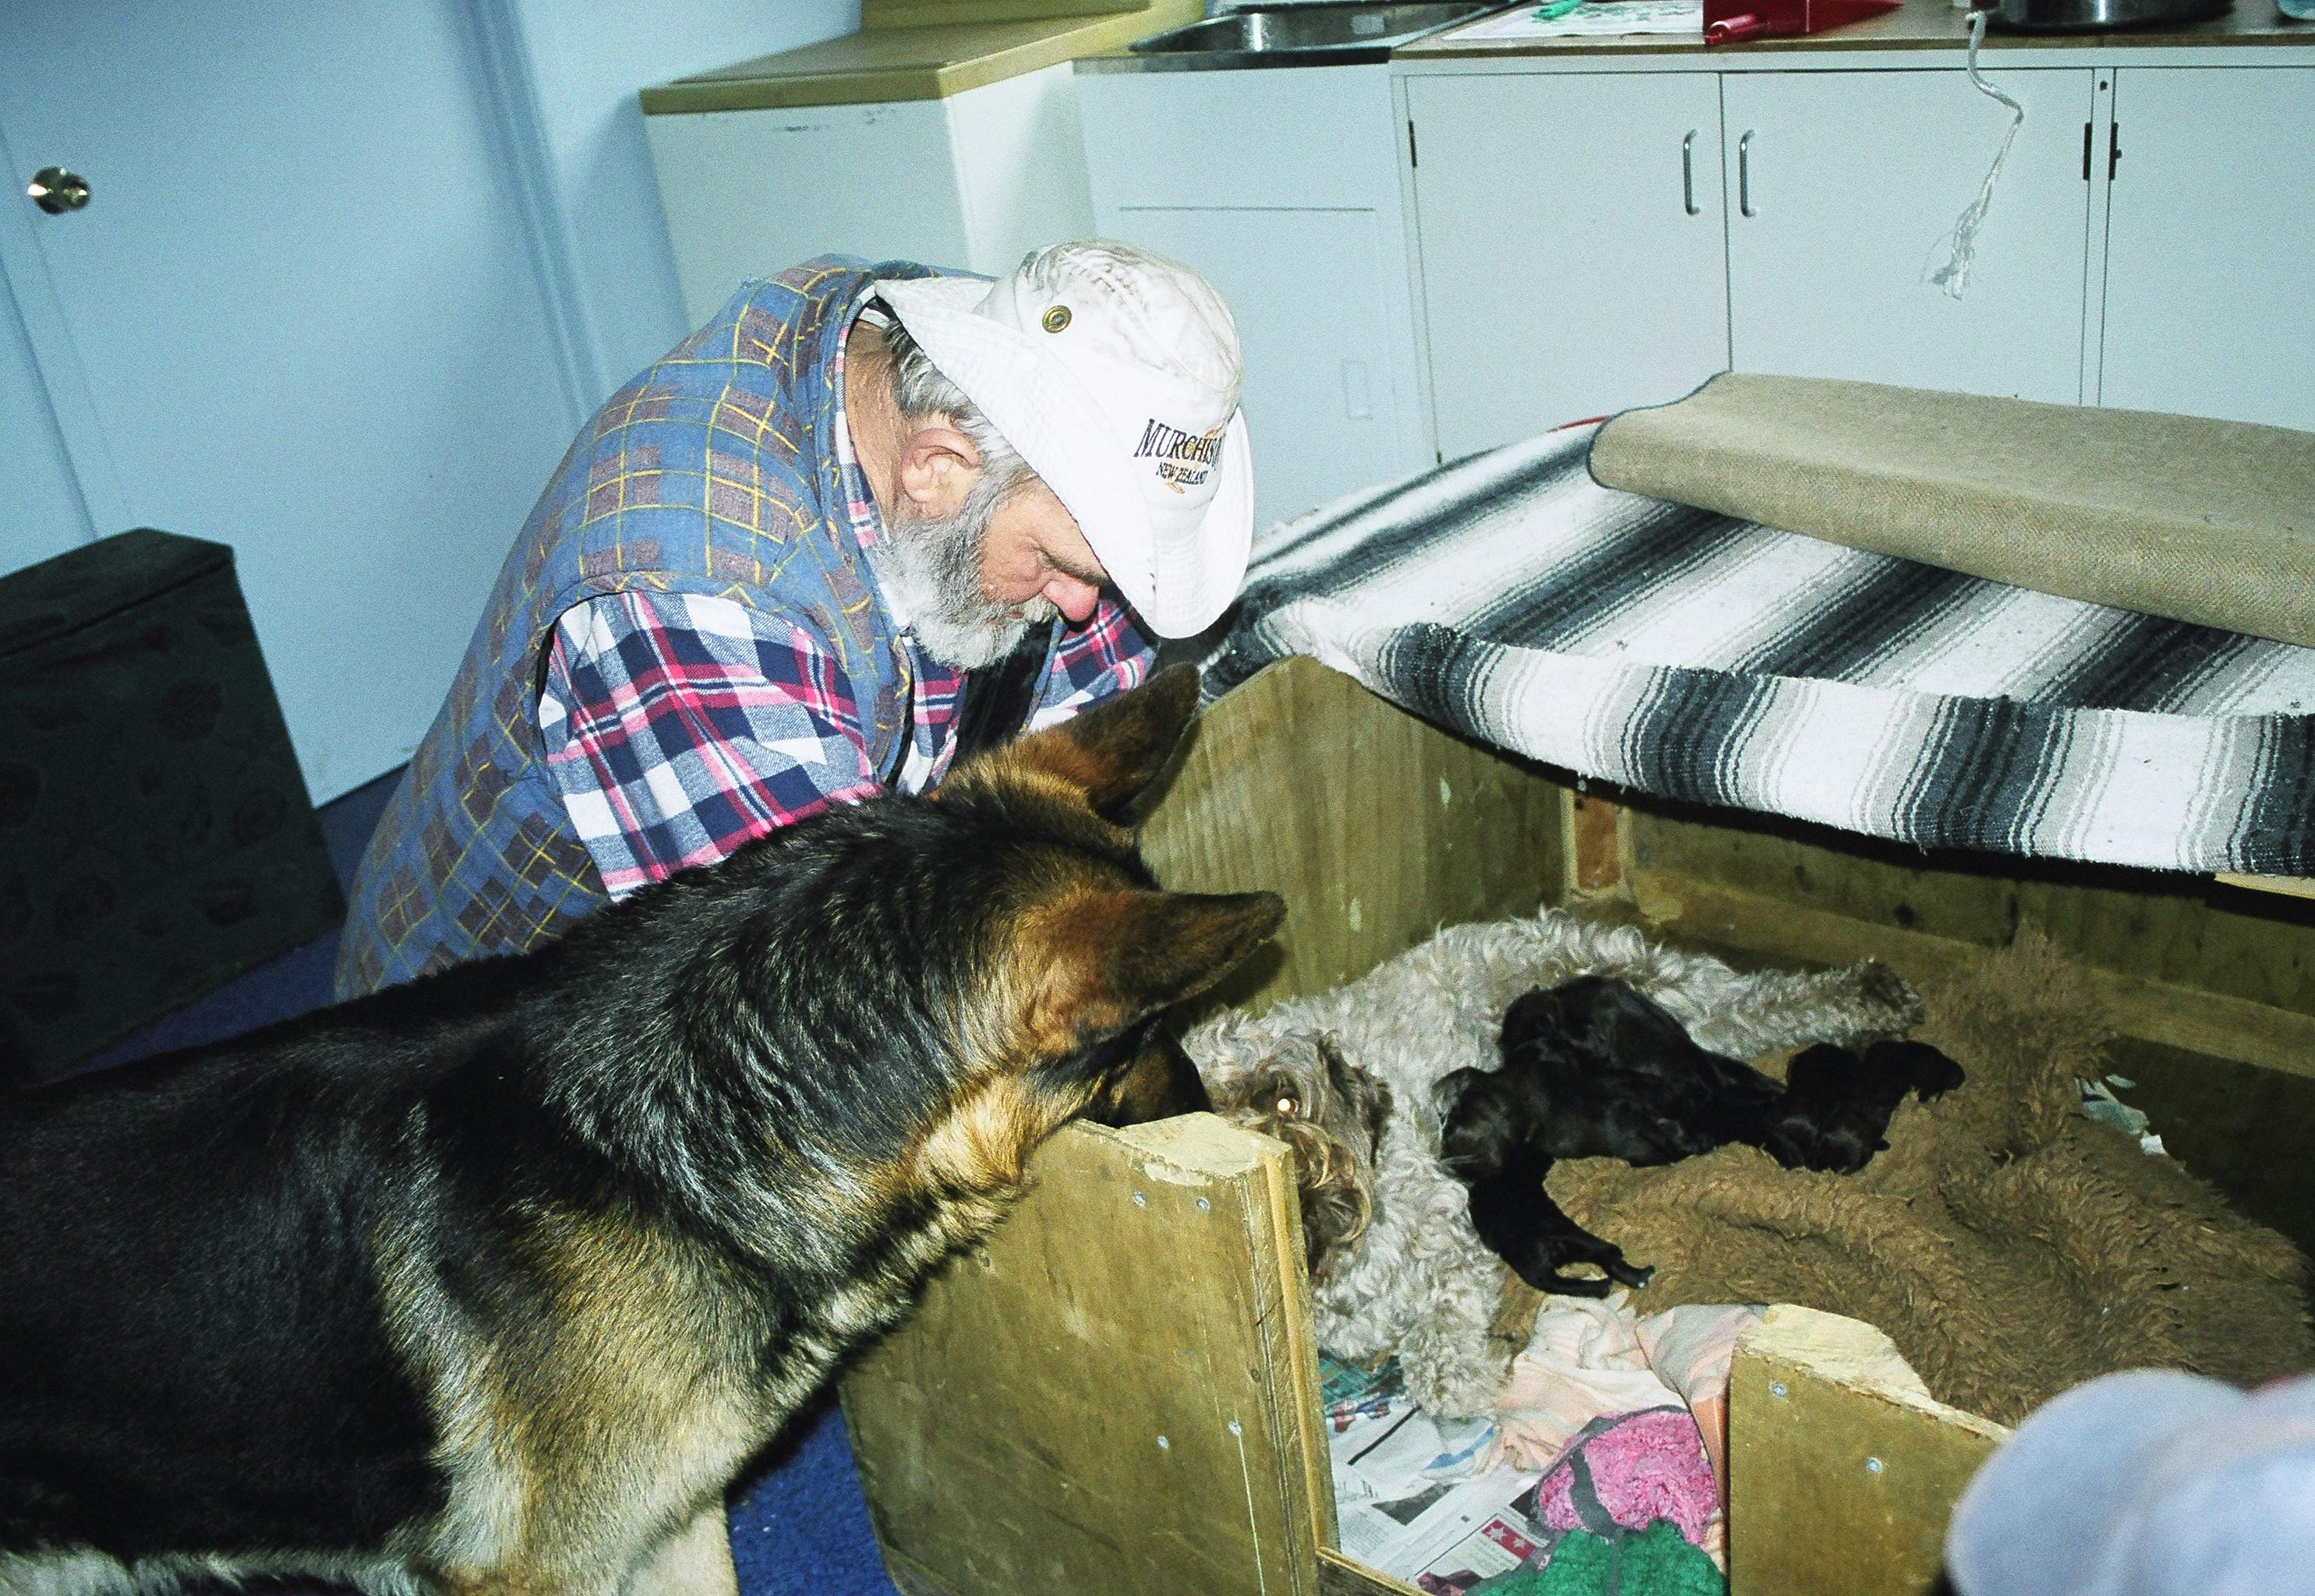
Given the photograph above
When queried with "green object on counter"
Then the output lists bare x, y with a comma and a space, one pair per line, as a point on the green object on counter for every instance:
1556, 9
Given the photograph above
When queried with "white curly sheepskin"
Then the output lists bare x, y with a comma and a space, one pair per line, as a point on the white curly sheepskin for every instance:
1419, 1283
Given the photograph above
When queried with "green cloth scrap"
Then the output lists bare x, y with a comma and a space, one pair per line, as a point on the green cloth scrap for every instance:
1656, 1562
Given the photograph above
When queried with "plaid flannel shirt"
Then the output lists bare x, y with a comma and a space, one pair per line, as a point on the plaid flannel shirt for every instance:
678, 726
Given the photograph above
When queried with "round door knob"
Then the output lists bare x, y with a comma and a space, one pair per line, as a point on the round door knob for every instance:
56, 191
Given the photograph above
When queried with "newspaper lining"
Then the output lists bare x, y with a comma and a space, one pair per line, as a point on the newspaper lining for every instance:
1406, 1500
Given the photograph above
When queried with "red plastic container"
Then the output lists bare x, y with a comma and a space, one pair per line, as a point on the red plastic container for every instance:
1728, 20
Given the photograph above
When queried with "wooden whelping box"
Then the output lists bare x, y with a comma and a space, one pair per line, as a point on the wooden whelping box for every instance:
1117, 1392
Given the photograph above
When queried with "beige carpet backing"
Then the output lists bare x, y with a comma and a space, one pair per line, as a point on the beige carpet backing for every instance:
2212, 522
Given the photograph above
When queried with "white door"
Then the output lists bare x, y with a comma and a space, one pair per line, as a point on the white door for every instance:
1844, 187
300, 315
1306, 288
1570, 235
2210, 274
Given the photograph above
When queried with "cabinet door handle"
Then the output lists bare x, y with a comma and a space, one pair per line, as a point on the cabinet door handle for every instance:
1744, 173
1688, 172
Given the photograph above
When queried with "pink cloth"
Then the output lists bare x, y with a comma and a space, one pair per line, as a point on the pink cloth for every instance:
1644, 1466
1591, 1360
1593, 1356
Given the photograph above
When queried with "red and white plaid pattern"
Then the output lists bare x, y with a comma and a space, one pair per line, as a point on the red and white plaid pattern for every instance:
678, 726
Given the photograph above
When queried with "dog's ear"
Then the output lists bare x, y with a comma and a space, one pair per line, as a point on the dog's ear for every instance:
1365, 1096
1109, 755
1100, 961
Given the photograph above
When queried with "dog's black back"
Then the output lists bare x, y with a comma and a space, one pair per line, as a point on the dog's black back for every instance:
1834, 1112
1624, 1079
536, 1226
145, 1213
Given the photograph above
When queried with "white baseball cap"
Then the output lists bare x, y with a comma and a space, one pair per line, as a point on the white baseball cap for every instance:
1114, 373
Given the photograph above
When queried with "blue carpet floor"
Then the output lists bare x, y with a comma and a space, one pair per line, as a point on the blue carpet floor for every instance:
798, 1524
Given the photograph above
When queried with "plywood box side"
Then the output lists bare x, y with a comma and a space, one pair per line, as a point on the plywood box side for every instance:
1122, 1379
1377, 828
2181, 936
1339, 1576
1842, 1472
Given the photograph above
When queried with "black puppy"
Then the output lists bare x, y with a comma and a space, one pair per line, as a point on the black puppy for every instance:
1624, 1079
1834, 1114
1592, 1068
1493, 1142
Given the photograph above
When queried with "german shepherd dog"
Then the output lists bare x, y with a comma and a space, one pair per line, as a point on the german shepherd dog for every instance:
494, 1282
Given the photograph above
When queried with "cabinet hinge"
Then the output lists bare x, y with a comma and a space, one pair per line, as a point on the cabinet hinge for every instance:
1410, 161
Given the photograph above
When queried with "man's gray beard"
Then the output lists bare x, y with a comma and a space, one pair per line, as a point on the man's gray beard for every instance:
933, 565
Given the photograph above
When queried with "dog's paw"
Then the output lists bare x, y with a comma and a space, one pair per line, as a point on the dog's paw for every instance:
1454, 1368
1457, 1389
1889, 995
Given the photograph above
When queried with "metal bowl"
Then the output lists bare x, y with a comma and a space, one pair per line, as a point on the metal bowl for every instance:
1305, 34
2061, 16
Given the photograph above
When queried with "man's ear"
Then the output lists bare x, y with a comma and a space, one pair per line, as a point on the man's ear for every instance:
938, 466
1108, 959
1111, 753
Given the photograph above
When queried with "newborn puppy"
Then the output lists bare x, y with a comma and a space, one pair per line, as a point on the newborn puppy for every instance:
1834, 1114
1493, 1141
1929, 1072
1624, 1079
1592, 1068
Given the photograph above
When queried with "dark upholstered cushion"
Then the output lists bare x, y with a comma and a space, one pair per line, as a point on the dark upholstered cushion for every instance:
155, 836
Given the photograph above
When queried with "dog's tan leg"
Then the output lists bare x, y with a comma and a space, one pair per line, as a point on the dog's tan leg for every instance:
695, 1561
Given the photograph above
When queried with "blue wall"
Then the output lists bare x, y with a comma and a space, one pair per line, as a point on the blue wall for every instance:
587, 63
349, 283
41, 512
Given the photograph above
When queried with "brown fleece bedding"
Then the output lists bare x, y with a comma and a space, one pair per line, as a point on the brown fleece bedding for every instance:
2009, 1245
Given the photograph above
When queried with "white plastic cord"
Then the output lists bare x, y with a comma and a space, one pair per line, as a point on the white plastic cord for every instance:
1960, 245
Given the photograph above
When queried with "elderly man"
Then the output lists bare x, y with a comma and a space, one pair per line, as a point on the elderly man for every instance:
867, 516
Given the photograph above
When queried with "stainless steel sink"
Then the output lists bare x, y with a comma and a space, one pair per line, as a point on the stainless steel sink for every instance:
1305, 34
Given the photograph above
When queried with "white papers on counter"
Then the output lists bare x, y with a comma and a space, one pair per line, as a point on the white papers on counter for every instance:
1594, 18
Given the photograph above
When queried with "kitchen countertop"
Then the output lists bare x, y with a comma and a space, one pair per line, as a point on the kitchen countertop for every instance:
1917, 24
913, 63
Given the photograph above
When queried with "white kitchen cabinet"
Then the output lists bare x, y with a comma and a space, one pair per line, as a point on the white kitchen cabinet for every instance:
1844, 187
1571, 246
1318, 405
2148, 242
976, 179
2210, 246
1280, 185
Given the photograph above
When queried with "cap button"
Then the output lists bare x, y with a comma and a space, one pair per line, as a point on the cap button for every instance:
1057, 318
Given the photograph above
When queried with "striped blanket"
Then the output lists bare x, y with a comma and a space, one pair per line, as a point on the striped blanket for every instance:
1685, 653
